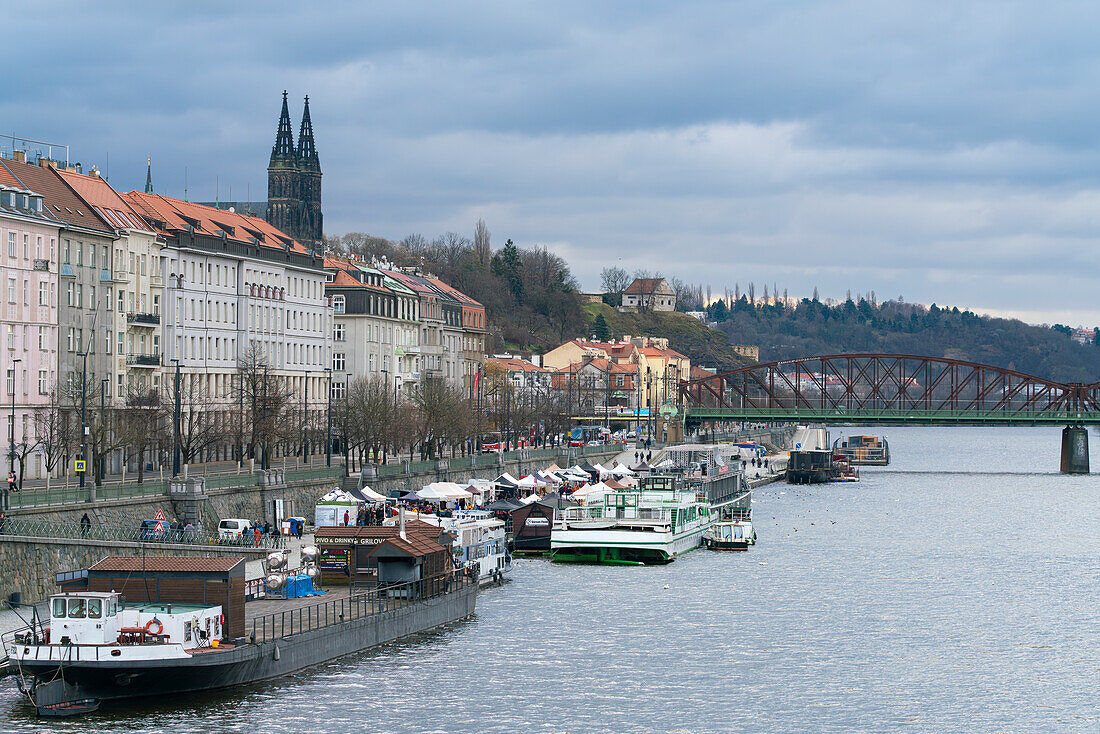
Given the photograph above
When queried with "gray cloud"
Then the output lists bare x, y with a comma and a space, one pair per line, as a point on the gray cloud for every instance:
948, 153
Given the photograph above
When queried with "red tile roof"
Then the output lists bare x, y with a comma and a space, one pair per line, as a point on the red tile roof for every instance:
136, 564
176, 215
516, 365
107, 202
62, 200
457, 294
644, 286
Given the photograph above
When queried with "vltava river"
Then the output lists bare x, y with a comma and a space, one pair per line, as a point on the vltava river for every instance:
956, 591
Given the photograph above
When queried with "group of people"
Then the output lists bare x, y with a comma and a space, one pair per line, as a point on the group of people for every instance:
639, 455
367, 515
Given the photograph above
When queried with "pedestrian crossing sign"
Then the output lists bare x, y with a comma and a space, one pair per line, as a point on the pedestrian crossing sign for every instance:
79, 465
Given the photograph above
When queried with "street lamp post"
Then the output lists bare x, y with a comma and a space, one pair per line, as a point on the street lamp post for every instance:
176, 425
328, 418
11, 429
103, 384
84, 414
305, 415
386, 391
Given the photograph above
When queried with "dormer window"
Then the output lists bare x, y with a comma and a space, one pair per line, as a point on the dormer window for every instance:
338, 304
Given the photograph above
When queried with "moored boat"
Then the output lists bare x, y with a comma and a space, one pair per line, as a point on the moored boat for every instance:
730, 535
648, 525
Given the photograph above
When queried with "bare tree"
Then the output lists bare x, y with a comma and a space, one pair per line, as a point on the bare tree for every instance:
55, 435
264, 405
200, 428
614, 280
144, 424
482, 248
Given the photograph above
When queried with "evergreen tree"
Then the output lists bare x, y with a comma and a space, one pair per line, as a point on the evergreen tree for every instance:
601, 329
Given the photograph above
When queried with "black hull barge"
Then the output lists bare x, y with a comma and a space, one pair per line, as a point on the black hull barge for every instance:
63, 676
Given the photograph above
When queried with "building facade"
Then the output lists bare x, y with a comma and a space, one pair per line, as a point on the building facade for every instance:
28, 256
238, 294
649, 294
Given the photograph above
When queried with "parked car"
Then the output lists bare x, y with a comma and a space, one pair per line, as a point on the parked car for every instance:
233, 528
152, 530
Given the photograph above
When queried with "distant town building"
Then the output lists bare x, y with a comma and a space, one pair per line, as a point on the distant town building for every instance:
1083, 335
649, 294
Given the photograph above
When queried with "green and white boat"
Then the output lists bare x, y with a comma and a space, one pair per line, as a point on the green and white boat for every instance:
645, 526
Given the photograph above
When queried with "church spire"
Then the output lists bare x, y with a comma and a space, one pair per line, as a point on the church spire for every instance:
307, 149
149, 175
283, 152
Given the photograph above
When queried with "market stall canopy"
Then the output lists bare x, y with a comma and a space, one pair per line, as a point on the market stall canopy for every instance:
410, 496
620, 470
527, 482
368, 495
556, 500
586, 467
431, 494
506, 480
641, 467
590, 490
504, 505
339, 497
529, 499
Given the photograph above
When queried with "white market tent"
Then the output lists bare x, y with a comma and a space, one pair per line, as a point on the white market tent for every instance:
372, 495
590, 492
443, 492
330, 509
529, 499
527, 482
621, 471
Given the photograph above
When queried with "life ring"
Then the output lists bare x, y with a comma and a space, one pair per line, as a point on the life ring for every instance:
149, 625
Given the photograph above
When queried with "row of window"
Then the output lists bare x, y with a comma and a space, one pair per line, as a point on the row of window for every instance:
15, 238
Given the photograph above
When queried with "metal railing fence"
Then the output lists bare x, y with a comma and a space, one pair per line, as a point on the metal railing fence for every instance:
32, 528
379, 600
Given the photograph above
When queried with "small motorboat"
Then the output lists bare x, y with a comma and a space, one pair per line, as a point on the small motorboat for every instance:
730, 535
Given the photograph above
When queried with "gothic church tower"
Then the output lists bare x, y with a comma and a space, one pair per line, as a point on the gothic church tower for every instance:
283, 203
310, 225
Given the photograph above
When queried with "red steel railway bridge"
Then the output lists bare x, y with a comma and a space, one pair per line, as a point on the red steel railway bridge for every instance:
895, 389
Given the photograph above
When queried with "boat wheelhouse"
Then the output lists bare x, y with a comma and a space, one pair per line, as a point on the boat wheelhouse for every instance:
863, 450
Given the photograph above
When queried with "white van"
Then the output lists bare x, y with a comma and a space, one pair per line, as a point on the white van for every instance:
233, 528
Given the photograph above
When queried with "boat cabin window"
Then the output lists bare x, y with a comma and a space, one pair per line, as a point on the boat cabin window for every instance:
77, 609
58, 608
738, 532
112, 608
95, 608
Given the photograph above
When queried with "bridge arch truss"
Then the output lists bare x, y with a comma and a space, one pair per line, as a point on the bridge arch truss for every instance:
888, 387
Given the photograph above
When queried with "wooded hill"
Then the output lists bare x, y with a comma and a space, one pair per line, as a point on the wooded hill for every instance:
810, 327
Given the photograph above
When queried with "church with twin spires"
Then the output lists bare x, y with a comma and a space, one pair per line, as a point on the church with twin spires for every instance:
294, 182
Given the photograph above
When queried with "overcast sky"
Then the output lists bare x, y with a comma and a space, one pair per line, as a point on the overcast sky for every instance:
946, 152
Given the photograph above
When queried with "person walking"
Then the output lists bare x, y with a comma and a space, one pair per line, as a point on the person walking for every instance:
3, 520
347, 517
85, 525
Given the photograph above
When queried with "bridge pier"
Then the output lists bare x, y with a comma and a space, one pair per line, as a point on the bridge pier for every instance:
1075, 450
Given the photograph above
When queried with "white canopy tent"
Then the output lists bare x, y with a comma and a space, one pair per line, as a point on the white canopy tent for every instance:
529, 499
372, 495
329, 510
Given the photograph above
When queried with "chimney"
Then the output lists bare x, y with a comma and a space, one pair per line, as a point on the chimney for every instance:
47, 163
402, 516
19, 156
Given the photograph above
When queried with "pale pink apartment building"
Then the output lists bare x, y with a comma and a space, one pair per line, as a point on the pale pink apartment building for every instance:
29, 237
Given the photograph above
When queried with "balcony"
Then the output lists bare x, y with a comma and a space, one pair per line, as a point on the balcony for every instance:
143, 360
143, 319
121, 276
42, 265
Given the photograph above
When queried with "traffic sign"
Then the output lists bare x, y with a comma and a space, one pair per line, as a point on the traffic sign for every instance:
79, 465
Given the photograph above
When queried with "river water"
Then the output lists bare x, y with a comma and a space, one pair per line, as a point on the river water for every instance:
958, 590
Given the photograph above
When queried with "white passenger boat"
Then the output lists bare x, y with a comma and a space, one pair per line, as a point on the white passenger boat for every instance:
648, 525
480, 542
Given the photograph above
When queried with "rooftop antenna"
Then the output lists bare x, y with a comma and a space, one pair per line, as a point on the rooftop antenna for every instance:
217, 191
185, 183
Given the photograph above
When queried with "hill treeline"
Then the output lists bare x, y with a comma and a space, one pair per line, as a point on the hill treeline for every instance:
810, 327
531, 298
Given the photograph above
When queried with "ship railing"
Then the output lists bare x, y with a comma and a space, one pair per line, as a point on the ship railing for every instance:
379, 600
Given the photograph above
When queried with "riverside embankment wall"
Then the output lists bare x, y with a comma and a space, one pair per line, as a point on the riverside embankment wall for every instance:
29, 564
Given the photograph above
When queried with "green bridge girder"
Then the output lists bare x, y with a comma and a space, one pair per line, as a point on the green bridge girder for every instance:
835, 416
